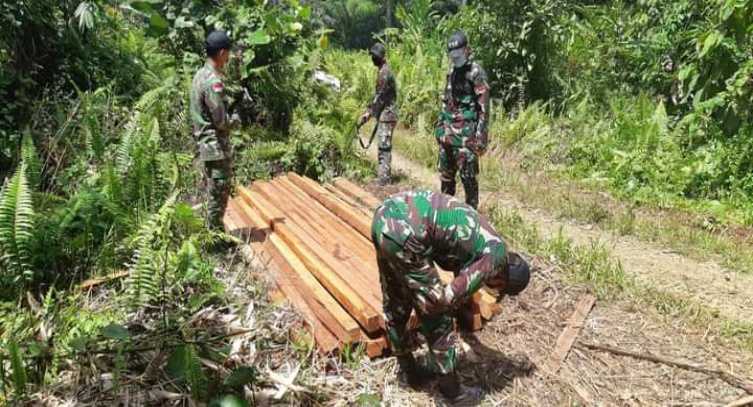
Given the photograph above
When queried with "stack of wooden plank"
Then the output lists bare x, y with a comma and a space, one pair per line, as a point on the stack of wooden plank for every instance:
315, 240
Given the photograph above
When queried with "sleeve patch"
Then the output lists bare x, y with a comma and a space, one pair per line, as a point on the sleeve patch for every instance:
218, 87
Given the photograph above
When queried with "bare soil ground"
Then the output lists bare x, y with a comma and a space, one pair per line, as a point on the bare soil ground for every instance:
507, 356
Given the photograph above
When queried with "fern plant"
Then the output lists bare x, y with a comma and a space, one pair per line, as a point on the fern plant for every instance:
31, 158
146, 269
16, 228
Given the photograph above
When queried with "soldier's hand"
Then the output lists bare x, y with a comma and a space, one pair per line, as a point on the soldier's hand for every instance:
363, 119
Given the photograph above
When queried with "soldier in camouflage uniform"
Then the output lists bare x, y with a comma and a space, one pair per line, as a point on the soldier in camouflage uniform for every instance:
413, 230
383, 109
211, 126
462, 129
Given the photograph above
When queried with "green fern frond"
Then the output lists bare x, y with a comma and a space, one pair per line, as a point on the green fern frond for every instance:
144, 269
30, 157
16, 227
18, 370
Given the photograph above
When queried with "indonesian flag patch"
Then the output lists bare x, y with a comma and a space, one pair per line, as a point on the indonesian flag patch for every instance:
218, 87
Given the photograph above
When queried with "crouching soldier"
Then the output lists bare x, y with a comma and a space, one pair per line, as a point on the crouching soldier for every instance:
413, 230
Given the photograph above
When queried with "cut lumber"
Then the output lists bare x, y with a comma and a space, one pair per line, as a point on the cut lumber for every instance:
332, 315
332, 217
342, 196
258, 228
235, 223
568, 336
262, 257
357, 192
368, 317
346, 213
739, 382
375, 347
353, 248
319, 238
267, 211
347, 287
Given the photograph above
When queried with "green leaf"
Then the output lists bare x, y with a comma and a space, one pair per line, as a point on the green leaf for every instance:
368, 400
184, 365
241, 377
115, 331
18, 370
228, 400
158, 24
711, 41
258, 37
145, 6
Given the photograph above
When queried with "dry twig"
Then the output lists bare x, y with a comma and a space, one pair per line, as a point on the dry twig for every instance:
733, 380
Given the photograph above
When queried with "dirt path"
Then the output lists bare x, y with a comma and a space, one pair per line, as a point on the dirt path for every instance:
706, 282
508, 356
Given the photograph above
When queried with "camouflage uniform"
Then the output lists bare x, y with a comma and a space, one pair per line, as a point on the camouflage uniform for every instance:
411, 231
383, 109
211, 129
462, 129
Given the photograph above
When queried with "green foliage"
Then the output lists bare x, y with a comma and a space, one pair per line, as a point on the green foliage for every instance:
18, 369
184, 365
30, 157
16, 230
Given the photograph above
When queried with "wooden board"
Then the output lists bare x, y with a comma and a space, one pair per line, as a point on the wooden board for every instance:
258, 229
570, 333
267, 211
369, 200
321, 240
340, 236
342, 196
375, 347
331, 313
344, 212
326, 342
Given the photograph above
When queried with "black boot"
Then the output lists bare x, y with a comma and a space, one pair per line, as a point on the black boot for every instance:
448, 187
416, 375
457, 394
471, 192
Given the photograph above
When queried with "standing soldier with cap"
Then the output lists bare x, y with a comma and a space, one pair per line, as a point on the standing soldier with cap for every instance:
383, 109
462, 129
211, 126
411, 231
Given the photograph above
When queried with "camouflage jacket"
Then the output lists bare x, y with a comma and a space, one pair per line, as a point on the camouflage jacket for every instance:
208, 111
428, 227
385, 96
465, 106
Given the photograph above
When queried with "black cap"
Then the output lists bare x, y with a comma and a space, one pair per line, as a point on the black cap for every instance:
378, 50
518, 274
217, 40
456, 48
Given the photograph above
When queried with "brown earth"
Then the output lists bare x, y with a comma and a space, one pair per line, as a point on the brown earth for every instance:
507, 356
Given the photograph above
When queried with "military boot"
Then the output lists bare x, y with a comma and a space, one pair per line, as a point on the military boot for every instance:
415, 374
471, 192
456, 393
448, 187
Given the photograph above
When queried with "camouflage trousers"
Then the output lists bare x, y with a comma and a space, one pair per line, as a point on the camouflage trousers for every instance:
400, 297
410, 282
384, 132
218, 176
452, 159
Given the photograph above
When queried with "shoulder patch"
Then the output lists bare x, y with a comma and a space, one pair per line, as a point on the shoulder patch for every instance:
218, 86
